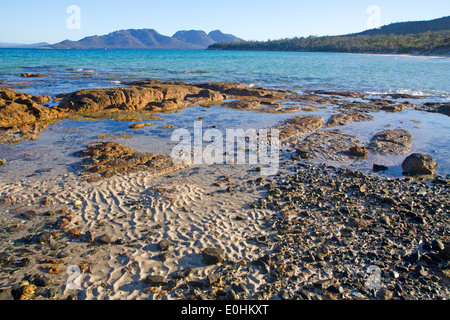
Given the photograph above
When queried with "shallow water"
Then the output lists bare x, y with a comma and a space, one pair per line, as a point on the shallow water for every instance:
71, 70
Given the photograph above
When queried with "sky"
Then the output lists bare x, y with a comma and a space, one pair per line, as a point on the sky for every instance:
52, 21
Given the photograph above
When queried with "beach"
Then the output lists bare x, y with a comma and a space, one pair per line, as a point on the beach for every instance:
94, 206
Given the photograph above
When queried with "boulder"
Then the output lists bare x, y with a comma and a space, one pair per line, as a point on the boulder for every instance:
419, 164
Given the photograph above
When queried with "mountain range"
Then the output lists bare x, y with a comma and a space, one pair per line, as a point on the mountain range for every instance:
148, 39
22, 46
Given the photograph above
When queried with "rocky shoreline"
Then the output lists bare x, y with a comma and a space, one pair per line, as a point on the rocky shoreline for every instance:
137, 226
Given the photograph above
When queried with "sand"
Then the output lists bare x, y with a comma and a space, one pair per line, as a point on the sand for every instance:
188, 207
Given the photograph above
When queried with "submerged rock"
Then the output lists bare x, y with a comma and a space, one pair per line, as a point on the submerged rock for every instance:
343, 119
419, 164
391, 142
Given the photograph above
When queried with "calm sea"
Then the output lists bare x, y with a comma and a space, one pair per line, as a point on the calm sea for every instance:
72, 70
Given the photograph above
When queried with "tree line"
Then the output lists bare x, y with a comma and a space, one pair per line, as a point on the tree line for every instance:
428, 42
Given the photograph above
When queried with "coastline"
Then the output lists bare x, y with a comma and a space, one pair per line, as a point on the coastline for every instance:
311, 232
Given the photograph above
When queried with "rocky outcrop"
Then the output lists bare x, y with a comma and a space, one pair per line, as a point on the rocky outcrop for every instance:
107, 159
419, 164
391, 142
299, 125
158, 96
17, 108
24, 114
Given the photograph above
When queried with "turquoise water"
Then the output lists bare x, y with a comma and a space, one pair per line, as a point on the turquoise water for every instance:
72, 70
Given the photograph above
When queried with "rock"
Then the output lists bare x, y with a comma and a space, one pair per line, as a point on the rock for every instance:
393, 108
243, 104
34, 75
137, 126
343, 119
105, 239
379, 168
155, 281
213, 278
327, 144
391, 142
299, 125
146, 96
359, 152
106, 159
30, 214
385, 294
213, 255
437, 245
304, 153
17, 109
445, 253
419, 164
165, 244
182, 273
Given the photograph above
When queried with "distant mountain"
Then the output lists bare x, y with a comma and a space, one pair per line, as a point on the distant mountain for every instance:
197, 37
412, 27
144, 39
22, 46
220, 37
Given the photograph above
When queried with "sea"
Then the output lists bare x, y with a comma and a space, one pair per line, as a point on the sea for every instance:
427, 78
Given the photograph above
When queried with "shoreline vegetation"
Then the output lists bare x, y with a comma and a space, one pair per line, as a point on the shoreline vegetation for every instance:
429, 43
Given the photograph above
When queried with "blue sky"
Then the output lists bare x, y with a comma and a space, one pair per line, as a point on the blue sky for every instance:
30, 21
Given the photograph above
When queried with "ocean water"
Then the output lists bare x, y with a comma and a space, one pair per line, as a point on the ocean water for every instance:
71, 70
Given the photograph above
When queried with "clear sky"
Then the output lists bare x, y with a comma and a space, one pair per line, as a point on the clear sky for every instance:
31, 21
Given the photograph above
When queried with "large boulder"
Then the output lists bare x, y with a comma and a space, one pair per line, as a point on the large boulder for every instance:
419, 164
